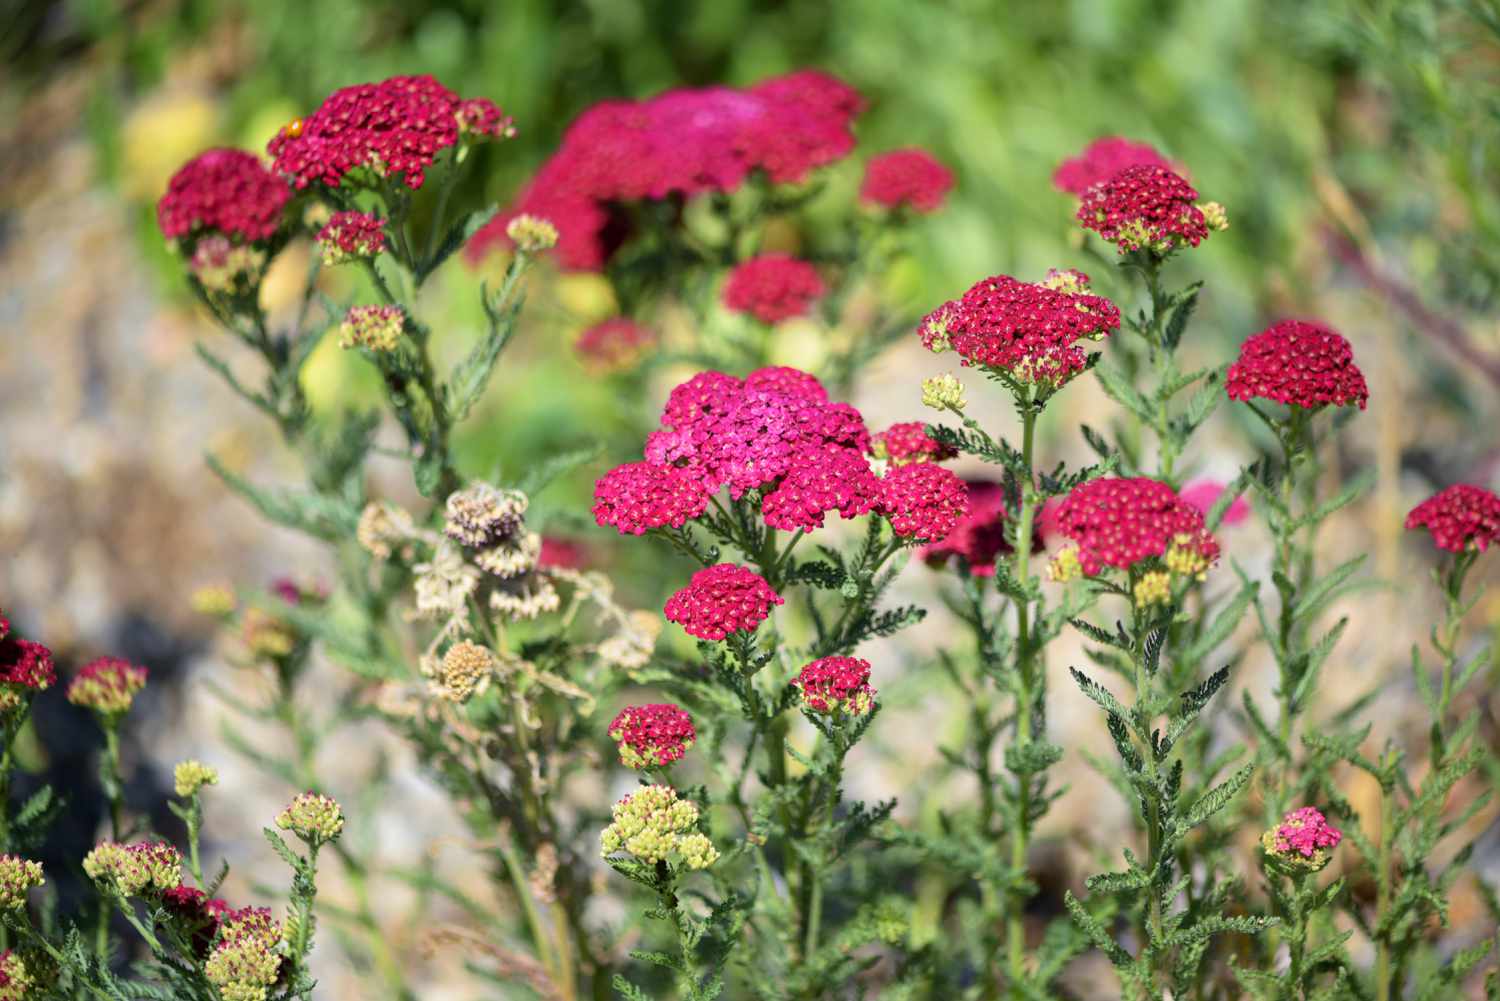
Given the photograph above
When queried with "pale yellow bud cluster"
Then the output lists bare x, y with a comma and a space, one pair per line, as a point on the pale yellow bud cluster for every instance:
1065, 566
653, 825
465, 671
1184, 556
216, 600
1153, 588
246, 961
531, 234
190, 776
377, 328
18, 877
15, 981
1215, 215
134, 869
943, 392
313, 817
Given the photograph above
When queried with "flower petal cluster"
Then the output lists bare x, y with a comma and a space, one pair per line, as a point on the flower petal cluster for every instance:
980, 537
652, 736
1144, 207
24, 664
395, 128
1124, 522
351, 236
375, 328
246, 958
906, 178
1103, 159
15, 982
481, 514
135, 869
833, 685
908, 442
722, 599
1459, 517
614, 344
1299, 363
639, 496
653, 825
197, 914
772, 288
313, 817
820, 480
18, 877
1032, 332
190, 776
224, 191
1302, 842
923, 501
680, 143
107, 685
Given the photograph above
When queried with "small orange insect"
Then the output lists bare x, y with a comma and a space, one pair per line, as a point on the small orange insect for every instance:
294, 129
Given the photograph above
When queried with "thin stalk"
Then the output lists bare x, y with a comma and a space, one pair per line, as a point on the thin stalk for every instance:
1015, 927
112, 771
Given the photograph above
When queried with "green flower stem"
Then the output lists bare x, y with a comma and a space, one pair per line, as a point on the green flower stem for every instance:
194, 822
11, 730
110, 777
688, 976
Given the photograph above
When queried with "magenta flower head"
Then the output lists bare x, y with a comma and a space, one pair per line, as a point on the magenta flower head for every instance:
788, 381
1461, 517
24, 666
1299, 363
1136, 524
614, 344
1204, 494
909, 442
639, 496
820, 479
1146, 207
1302, 843
223, 191
924, 502
722, 599
980, 537
652, 736
107, 685
395, 129
834, 685
1032, 333
906, 178
772, 288
1101, 160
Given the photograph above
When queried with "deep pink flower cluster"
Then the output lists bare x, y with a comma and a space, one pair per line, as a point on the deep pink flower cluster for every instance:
656, 734
836, 683
1299, 363
722, 599
567, 554
1144, 206
639, 496
197, 912
980, 537
1120, 521
821, 479
772, 288
614, 343
226, 191
353, 234
24, 663
1459, 517
1030, 331
108, 684
923, 501
1306, 832
909, 442
396, 128
682, 143
911, 178
1103, 159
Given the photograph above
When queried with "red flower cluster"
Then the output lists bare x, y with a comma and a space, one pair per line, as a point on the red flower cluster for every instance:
722, 599
821, 479
396, 128
923, 501
613, 344
1103, 159
226, 191
1144, 206
1459, 517
1298, 363
640, 496
1306, 832
349, 235
657, 734
565, 554
980, 536
1119, 522
198, 913
24, 663
682, 142
836, 683
772, 288
107, 684
906, 177
1030, 331
908, 442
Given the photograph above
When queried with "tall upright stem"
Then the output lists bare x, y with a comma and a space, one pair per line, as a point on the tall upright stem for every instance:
1015, 927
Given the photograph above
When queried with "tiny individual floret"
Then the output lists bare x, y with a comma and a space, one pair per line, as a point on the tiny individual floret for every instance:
924, 502
224, 191
773, 287
18, 877
1460, 517
909, 442
15, 980
722, 599
1303, 842
375, 328
137, 869
834, 685
246, 960
1144, 207
906, 178
614, 344
531, 234
1101, 160
1299, 363
107, 685
652, 736
190, 776
639, 496
351, 236
1128, 523
653, 825
943, 392
313, 817
465, 671
481, 515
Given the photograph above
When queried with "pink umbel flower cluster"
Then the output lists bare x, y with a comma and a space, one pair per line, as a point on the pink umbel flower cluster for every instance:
1459, 517
836, 684
772, 288
906, 178
1300, 363
1103, 159
613, 344
722, 599
1032, 332
679, 143
224, 191
908, 442
923, 501
1144, 207
395, 128
653, 735
639, 496
1303, 842
350, 236
23, 663
1122, 521
821, 479
979, 538
107, 685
